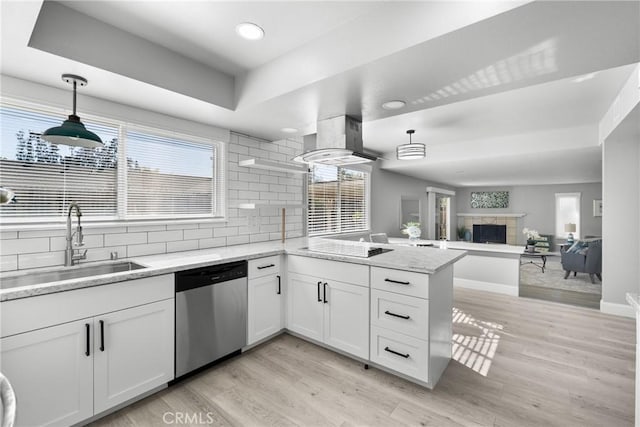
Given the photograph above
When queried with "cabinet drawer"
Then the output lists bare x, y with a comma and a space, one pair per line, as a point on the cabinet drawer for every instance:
356, 274
401, 282
400, 313
407, 355
264, 266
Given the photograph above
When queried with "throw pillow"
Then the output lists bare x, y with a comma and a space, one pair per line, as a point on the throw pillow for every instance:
577, 247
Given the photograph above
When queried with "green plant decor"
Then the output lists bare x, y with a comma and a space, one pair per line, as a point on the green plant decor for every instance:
460, 231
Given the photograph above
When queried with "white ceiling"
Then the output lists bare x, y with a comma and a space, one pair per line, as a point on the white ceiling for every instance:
490, 86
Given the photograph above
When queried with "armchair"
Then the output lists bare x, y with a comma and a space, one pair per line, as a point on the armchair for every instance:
589, 262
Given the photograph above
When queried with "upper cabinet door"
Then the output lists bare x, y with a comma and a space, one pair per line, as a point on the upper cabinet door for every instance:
346, 318
264, 317
134, 352
305, 306
51, 373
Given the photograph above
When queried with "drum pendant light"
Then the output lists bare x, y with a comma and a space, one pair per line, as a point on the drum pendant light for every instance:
72, 131
411, 151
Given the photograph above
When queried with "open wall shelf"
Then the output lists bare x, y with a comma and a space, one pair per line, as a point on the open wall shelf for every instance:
273, 166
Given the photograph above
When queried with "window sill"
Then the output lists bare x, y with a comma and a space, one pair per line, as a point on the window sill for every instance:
88, 224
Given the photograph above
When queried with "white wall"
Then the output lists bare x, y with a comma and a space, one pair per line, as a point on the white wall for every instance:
538, 203
32, 247
387, 189
621, 210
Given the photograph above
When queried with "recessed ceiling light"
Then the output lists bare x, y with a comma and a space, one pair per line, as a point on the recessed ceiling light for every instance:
393, 105
289, 130
249, 31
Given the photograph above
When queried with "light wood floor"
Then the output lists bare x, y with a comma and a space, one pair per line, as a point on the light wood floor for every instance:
582, 299
519, 362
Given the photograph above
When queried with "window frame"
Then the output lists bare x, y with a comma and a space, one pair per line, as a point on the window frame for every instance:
558, 227
367, 169
219, 187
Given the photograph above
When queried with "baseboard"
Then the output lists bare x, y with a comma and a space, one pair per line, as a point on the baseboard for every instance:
617, 309
485, 286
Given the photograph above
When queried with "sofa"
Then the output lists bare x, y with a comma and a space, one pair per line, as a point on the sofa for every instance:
583, 257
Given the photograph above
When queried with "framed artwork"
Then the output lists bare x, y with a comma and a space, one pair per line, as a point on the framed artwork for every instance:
597, 208
489, 199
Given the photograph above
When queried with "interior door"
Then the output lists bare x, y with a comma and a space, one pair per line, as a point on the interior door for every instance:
133, 352
51, 371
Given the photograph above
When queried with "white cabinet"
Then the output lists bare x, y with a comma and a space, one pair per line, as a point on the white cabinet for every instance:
51, 374
411, 322
133, 352
328, 310
265, 302
73, 366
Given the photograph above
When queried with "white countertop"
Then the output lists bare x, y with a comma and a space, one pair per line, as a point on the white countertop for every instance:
423, 260
465, 246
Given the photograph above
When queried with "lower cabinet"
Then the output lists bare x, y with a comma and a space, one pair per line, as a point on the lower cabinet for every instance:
331, 312
265, 298
66, 373
133, 352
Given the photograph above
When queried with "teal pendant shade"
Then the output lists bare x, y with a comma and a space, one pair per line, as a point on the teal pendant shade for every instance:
72, 131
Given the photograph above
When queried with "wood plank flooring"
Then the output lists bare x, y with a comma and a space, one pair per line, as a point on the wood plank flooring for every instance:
518, 362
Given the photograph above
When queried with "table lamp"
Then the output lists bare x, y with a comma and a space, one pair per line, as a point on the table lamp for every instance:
570, 228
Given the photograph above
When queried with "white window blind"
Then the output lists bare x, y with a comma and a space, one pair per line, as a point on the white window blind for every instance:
567, 211
46, 177
337, 200
169, 176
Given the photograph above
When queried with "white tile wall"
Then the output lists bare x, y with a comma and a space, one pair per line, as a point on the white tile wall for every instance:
44, 248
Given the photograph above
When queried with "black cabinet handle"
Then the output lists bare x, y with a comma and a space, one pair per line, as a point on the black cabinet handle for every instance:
279, 284
406, 356
396, 315
87, 328
102, 335
266, 266
397, 281
319, 299
324, 289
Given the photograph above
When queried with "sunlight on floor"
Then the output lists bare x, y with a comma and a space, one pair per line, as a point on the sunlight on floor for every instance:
476, 348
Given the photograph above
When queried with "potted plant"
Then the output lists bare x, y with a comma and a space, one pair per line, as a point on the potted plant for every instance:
412, 229
461, 232
532, 236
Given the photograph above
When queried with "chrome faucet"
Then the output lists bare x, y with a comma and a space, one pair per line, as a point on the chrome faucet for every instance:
70, 255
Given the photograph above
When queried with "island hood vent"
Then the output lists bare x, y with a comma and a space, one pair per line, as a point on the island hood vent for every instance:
338, 142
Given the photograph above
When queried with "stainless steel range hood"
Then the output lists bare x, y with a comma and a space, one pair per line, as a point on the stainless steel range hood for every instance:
338, 142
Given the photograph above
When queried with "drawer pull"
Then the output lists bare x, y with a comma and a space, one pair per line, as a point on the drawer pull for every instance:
406, 356
397, 281
402, 316
261, 267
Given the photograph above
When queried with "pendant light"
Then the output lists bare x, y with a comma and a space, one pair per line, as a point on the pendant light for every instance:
411, 151
72, 131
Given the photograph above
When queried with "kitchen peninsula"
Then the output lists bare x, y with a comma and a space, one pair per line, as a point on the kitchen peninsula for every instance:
391, 310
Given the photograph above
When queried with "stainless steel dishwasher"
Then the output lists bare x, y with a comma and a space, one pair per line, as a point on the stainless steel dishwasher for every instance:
211, 314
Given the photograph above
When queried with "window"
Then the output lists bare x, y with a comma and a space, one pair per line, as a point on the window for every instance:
338, 200
567, 212
139, 173
170, 177
46, 177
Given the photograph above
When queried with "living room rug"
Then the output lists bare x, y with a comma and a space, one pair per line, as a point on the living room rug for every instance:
553, 277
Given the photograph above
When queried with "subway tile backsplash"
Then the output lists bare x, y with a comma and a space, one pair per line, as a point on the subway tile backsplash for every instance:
35, 248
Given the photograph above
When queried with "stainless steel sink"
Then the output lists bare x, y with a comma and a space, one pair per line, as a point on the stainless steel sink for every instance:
68, 273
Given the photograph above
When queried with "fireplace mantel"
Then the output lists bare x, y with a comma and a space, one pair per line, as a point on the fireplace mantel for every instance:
509, 215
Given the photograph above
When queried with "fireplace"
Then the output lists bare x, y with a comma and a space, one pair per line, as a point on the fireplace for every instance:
489, 233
